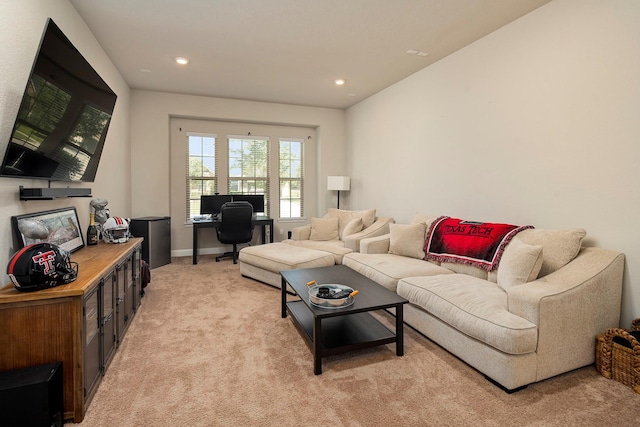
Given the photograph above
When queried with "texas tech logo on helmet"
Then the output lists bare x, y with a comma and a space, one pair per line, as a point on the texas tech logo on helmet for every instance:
41, 266
46, 260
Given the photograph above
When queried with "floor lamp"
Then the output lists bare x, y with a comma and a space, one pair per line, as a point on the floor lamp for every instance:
339, 183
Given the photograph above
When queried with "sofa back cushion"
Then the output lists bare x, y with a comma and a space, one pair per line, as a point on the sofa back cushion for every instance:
469, 270
424, 218
345, 216
559, 247
324, 229
407, 239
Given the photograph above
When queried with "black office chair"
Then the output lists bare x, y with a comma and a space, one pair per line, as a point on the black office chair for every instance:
236, 227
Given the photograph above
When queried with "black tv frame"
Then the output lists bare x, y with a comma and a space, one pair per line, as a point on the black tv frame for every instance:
58, 65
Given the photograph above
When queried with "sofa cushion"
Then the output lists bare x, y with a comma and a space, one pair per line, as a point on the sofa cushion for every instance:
475, 307
275, 257
352, 227
344, 216
520, 264
334, 247
387, 269
324, 229
407, 239
559, 247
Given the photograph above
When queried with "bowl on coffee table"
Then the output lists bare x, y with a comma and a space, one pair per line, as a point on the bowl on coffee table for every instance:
332, 295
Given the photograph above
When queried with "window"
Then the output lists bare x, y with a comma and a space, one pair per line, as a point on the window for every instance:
249, 167
291, 181
201, 167
237, 158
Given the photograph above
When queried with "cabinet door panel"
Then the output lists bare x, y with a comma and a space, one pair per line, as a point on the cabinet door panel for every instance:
91, 340
108, 319
121, 299
128, 302
135, 274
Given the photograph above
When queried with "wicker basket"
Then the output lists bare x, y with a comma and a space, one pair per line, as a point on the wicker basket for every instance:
617, 361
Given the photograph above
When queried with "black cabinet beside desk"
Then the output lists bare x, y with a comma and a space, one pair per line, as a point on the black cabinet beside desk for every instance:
260, 221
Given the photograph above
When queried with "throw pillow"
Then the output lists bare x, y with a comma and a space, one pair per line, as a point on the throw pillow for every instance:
559, 247
407, 239
324, 229
354, 226
520, 263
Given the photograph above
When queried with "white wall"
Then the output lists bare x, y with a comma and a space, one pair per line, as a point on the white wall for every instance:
21, 26
151, 145
537, 123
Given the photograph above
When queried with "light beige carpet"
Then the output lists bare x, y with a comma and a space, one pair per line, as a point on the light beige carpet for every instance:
209, 348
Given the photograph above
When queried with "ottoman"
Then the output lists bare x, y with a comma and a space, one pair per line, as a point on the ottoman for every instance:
265, 262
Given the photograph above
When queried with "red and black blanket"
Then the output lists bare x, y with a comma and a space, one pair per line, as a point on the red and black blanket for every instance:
469, 242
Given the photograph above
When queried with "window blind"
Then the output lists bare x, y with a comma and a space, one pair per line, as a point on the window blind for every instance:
291, 177
249, 166
201, 170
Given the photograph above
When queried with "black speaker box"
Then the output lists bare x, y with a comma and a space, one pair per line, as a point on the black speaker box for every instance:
32, 396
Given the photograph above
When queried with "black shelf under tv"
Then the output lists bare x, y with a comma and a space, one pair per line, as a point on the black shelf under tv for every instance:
45, 193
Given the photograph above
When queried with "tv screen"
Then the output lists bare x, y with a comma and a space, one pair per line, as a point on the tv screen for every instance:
256, 200
211, 204
64, 116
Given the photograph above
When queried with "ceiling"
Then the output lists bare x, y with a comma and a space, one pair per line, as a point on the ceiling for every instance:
287, 51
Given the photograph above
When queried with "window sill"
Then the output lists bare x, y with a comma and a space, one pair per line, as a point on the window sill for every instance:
291, 220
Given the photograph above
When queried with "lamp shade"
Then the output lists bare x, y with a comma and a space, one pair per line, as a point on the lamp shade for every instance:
340, 183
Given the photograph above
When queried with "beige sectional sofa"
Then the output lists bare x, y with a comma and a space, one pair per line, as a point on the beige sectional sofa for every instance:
534, 317
340, 231
322, 243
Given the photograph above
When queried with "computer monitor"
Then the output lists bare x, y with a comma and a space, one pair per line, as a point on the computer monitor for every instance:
256, 200
212, 204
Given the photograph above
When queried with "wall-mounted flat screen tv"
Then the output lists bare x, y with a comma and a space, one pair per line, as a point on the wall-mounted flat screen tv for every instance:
64, 116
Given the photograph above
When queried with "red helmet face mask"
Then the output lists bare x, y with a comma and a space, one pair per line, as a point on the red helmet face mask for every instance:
41, 266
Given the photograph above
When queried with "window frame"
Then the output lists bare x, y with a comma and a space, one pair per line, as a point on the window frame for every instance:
192, 202
291, 179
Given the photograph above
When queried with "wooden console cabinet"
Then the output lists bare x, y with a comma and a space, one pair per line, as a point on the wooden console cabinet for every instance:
79, 324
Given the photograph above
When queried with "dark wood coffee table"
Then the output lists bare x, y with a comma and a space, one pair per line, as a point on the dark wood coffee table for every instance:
328, 331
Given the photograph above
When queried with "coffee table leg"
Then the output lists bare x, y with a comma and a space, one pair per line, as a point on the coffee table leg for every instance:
317, 346
399, 331
283, 285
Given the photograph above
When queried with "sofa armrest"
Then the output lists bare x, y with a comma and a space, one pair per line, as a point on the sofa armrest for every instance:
375, 245
378, 228
301, 233
571, 306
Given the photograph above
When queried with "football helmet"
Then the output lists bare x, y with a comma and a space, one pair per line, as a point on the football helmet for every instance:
40, 266
115, 230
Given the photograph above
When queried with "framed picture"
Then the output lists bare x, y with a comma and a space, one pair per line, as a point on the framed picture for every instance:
60, 227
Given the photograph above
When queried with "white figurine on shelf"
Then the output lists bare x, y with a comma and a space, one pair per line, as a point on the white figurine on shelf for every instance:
99, 208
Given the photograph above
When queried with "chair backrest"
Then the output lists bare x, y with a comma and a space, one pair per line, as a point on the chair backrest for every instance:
236, 223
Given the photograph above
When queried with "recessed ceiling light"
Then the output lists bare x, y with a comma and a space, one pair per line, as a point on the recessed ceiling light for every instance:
340, 82
182, 61
422, 54
145, 70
